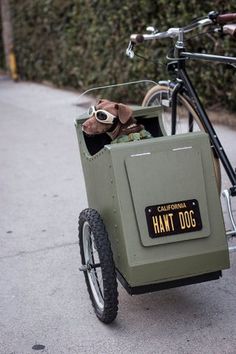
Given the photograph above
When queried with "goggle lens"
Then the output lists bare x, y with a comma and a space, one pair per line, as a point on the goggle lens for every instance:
91, 110
101, 115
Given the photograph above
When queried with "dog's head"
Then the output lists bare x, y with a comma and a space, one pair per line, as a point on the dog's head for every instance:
106, 115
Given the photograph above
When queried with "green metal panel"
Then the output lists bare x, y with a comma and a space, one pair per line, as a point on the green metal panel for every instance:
122, 179
167, 172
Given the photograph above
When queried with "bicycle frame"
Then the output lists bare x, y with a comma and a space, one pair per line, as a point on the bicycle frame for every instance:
184, 84
183, 80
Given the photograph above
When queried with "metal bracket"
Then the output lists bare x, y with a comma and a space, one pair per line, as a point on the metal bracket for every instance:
172, 66
88, 267
83, 268
227, 196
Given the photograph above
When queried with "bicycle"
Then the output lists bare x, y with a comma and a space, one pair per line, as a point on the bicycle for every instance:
154, 219
182, 110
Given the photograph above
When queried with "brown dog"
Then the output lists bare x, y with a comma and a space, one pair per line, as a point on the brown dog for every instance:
114, 119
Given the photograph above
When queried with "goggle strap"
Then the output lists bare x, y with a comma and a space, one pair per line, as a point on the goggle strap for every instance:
114, 125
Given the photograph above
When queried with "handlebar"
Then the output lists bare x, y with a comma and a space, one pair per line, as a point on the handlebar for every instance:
212, 18
170, 33
230, 29
226, 18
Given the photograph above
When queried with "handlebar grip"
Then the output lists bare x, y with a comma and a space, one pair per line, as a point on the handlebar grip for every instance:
226, 18
230, 29
137, 38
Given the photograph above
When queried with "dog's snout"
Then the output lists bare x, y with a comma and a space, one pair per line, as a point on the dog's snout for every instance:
92, 127
87, 124
84, 125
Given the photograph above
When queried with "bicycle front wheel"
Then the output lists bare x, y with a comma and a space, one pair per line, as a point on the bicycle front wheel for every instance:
187, 119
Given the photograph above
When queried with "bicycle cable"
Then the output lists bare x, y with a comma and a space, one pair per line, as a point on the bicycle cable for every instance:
154, 61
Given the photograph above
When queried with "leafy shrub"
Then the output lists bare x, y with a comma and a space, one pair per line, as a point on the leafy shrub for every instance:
82, 44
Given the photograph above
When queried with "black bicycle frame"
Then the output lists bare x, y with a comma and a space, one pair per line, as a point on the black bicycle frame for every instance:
184, 78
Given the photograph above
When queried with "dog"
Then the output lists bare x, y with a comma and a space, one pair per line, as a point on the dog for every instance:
116, 120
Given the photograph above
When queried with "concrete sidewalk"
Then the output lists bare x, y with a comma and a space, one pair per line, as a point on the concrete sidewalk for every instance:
43, 298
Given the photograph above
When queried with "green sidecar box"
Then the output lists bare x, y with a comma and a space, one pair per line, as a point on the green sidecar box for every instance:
160, 204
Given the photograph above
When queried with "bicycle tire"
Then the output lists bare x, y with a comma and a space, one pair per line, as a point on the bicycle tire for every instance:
99, 267
157, 96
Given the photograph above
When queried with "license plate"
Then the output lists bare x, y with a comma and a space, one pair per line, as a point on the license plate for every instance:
173, 218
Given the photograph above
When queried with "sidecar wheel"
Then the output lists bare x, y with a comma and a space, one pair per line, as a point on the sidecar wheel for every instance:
98, 265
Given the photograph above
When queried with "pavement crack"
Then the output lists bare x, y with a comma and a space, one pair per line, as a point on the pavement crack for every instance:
25, 253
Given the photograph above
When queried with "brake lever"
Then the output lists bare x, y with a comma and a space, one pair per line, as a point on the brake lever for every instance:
130, 50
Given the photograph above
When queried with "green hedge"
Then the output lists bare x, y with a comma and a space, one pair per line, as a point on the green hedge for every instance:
82, 44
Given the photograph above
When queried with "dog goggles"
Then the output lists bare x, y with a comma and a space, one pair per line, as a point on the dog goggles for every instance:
101, 115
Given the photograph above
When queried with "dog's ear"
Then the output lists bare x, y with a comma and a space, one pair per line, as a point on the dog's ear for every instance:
124, 112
